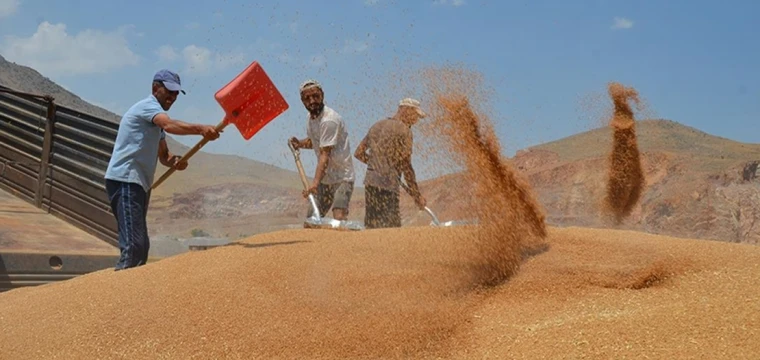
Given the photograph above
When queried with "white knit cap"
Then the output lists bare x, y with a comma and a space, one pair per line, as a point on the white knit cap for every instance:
309, 84
413, 104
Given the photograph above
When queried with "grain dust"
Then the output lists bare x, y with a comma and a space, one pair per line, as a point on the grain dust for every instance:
509, 216
625, 181
315, 294
387, 293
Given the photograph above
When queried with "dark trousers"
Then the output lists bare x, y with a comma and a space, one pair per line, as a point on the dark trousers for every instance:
129, 204
381, 208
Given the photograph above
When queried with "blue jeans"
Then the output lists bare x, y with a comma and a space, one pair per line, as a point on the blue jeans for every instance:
129, 204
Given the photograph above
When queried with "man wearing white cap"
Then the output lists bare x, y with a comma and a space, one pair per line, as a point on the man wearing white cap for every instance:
387, 152
326, 132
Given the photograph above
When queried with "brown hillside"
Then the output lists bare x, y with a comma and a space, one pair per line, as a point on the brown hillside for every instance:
206, 170
23, 78
403, 293
654, 136
698, 185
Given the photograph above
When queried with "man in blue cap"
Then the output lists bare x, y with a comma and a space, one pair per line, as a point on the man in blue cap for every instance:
140, 144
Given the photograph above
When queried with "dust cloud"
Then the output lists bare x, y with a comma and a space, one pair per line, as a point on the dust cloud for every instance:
625, 176
508, 214
385, 293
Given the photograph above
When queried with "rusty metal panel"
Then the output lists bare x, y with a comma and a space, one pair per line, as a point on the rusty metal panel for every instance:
24, 227
23, 118
57, 159
75, 165
31, 269
21, 131
17, 173
85, 210
109, 236
76, 192
87, 146
95, 193
18, 137
47, 144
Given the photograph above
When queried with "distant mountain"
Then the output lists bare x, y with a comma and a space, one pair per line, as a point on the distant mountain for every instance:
26, 79
698, 185
206, 169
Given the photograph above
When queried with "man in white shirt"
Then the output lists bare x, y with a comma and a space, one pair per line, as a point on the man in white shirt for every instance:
326, 133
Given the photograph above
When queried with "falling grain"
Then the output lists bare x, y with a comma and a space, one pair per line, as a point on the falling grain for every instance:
625, 174
508, 214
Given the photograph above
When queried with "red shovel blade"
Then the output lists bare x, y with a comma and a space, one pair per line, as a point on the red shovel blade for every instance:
250, 100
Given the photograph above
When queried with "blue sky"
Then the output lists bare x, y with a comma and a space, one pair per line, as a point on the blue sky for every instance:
695, 62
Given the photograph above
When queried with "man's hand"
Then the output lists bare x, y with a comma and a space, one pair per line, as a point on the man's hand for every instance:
209, 132
361, 151
311, 190
421, 202
295, 143
174, 161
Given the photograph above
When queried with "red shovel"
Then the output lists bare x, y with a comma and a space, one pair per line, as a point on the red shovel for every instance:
250, 101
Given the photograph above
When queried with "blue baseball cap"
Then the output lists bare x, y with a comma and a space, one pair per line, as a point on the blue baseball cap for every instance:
169, 79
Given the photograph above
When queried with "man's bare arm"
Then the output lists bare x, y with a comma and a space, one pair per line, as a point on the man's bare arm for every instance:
411, 178
305, 144
164, 155
301, 144
177, 127
411, 182
361, 151
324, 160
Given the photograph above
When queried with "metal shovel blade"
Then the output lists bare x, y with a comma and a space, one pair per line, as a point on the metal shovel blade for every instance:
316, 222
438, 223
330, 223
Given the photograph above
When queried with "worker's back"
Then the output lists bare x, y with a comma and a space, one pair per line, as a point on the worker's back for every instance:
389, 143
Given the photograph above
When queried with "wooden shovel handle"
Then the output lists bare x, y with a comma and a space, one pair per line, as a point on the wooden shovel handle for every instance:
187, 156
296, 155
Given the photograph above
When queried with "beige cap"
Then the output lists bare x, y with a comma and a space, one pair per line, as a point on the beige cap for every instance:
414, 104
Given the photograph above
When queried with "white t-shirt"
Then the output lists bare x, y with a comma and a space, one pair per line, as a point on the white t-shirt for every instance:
329, 130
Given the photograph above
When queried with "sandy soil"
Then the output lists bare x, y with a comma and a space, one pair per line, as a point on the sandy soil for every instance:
408, 293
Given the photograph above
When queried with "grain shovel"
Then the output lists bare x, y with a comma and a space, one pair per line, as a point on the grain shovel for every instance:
435, 221
316, 221
250, 101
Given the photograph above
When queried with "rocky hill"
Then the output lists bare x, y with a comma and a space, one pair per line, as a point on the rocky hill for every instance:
698, 185
26, 79
206, 170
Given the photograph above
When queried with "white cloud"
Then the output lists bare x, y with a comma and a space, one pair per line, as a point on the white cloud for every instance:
201, 60
293, 27
622, 23
54, 52
167, 53
449, 2
192, 26
8, 7
351, 46
370, 2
